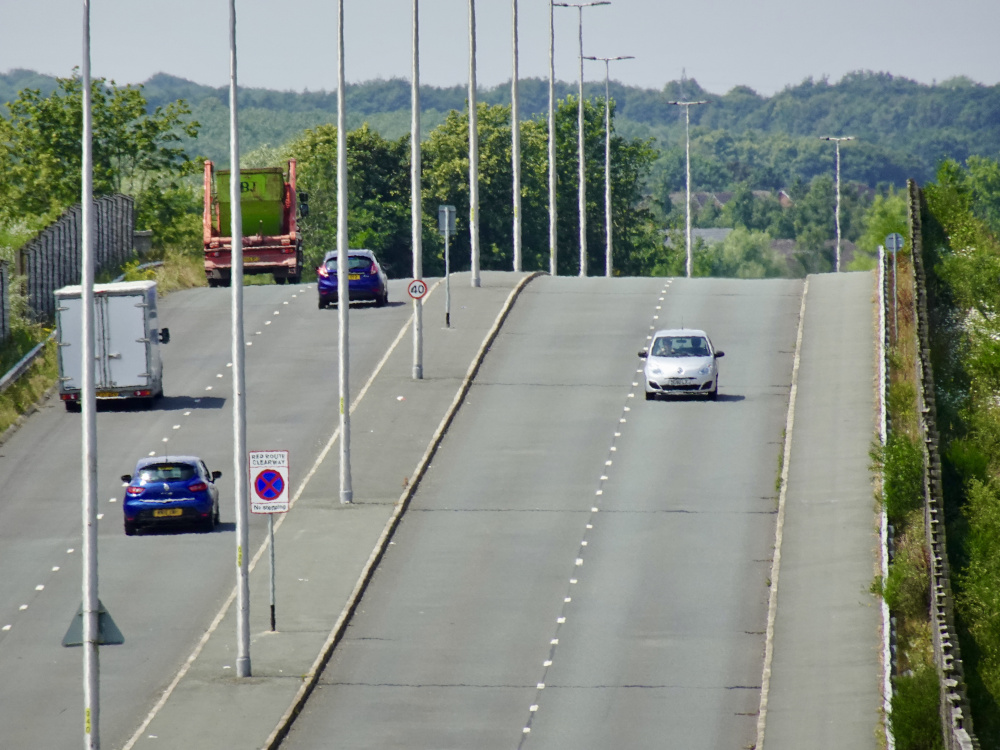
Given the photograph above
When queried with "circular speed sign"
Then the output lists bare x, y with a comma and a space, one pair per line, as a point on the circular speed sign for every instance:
417, 288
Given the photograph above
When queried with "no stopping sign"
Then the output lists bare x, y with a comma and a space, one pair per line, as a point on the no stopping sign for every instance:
268, 481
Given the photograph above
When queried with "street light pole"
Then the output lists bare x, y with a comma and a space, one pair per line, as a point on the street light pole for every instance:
689, 266
607, 157
581, 137
553, 229
473, 148
90, 605
240, 468
343, 289
416, 206
837, 141
515, 140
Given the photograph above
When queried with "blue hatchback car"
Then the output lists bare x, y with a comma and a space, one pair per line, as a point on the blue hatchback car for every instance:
171, 490
365, 279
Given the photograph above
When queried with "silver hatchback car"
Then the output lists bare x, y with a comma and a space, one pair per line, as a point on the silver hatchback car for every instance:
681, 361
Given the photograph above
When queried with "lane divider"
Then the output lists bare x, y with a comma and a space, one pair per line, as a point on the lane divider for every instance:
772, 601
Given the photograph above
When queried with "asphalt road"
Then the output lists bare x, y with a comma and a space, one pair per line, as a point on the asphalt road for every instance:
581, 568
162, 589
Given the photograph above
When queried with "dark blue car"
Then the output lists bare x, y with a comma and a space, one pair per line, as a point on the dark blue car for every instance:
366, 281
168, 490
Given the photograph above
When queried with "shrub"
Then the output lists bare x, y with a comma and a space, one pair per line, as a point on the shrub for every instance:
903, 467
915, 721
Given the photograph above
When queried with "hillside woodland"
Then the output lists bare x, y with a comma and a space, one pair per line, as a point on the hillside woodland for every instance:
757, 162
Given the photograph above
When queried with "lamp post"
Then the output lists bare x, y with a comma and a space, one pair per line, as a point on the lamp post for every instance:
689, 266
343, 289
553, 229
837, 141
580, 136
515, 140
90, 604
240, 466
473, 148
607, 157
416, 207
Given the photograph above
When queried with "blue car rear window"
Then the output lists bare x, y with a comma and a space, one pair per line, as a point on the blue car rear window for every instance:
167, 473
354, 263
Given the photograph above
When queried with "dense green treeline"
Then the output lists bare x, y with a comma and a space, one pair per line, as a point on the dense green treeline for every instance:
904, 128
962, 248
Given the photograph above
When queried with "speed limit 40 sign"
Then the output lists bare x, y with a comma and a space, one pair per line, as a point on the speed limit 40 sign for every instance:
417, 288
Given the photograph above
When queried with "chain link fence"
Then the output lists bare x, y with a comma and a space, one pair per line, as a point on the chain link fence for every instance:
53, 258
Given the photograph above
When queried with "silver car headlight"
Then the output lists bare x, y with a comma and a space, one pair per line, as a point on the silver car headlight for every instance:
706, 370
655, 371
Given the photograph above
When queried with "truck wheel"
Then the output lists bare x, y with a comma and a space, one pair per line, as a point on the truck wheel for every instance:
72, 406
280, 279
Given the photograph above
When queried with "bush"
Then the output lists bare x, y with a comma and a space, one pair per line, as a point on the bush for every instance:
907, 587
915, 718
903, 488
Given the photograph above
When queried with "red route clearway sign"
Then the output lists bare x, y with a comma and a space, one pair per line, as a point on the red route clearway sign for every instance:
268, 481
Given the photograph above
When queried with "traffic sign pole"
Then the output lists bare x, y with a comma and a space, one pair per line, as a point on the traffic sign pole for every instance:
894, 243
446, 225
270, 547
269, 478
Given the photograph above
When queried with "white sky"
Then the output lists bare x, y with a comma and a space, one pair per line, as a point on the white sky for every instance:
291, 44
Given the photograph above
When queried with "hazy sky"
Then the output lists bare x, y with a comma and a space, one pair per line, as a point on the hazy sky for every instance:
291, 44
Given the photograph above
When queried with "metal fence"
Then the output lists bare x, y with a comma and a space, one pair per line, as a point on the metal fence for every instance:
955, 714
4, 300
52, 259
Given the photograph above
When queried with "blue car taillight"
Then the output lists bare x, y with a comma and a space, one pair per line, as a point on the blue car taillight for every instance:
132, 490
198, 487
372, 270
322, 272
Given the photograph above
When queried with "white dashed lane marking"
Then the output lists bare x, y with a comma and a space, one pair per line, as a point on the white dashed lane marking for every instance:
584, 545
100, 516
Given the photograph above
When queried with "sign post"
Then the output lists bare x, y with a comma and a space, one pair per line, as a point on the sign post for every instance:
269, 479
894, 242
446, 225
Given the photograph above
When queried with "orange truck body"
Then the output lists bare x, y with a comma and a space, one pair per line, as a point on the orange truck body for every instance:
272, 243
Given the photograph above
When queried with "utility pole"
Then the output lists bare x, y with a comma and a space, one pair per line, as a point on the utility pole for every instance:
581, 155
689, 266
837, 141
607, 159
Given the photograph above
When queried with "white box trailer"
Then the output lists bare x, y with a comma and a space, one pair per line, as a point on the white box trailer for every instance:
126, 342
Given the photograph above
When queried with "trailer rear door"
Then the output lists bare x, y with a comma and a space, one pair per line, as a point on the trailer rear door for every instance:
121, 341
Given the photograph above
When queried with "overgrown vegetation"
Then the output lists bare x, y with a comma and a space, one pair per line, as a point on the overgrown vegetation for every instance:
914, 718
961, 230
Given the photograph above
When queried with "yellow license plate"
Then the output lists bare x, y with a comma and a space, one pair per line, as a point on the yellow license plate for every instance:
354, 277
107, 394
167, 512
251, 259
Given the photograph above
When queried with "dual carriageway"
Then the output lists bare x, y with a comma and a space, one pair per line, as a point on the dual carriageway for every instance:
575, 567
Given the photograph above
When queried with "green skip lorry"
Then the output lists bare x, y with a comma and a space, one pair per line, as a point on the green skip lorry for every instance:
269, 206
